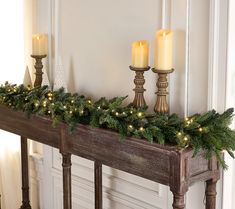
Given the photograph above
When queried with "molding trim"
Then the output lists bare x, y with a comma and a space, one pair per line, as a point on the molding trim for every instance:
83, 194
122, 186
218, 40
166, 13
217, 73
213, 53
187, 58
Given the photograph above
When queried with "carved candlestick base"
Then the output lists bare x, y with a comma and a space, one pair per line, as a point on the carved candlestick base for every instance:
139, 90
162, 84
38, 66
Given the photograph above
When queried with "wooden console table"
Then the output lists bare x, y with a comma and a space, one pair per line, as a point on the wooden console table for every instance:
167, 165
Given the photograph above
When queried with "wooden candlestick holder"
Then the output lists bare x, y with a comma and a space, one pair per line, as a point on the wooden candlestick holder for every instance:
38, 66
139, 90
162, 84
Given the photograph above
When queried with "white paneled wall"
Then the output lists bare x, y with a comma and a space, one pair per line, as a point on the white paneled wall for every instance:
92, 41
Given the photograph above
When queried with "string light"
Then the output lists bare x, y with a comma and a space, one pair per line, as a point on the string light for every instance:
49, 94
44, 104
200, 129
71, 112
139, 114
72, 101
185, 138
89, 101
49, 112
65, 107
179, 134
99, 108
130, 127
50, 98
131, 112
117, 113
81, 112
36, 104
141, 129
186, 119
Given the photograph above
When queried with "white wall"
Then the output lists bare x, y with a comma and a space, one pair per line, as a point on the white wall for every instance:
92, 40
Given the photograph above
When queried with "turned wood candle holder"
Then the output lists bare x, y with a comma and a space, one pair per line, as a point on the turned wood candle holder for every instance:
38, 66
162, 84
139, 90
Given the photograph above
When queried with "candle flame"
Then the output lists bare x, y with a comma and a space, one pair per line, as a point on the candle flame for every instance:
164, 33
38, 38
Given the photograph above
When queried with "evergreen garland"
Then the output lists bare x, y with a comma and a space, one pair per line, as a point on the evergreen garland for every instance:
209, 131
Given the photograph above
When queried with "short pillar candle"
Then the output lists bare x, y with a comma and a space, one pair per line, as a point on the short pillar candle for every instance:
39, 44
140, 54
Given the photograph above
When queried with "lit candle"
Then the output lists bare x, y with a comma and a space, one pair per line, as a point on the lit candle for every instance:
163, 50
39, 44
140, 54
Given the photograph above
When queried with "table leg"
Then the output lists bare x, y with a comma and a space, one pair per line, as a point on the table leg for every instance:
25, 174
178, 201
211, 194
67, 188
98, 185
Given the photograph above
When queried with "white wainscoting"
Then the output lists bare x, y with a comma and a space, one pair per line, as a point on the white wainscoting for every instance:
200, 38
119, 188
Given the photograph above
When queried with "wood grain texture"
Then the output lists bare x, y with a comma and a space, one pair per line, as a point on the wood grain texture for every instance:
37, 128
98, 185
25, 174
67, 186
164, 164
178, 201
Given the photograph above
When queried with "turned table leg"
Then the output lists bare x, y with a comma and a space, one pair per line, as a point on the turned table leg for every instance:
98, 185
178, 201
67, 188
210, 194
25, 174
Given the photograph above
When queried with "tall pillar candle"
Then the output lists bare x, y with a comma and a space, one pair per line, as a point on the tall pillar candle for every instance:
163, 50
140, 54
39, 46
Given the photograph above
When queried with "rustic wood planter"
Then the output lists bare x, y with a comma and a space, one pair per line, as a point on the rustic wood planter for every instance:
167, 165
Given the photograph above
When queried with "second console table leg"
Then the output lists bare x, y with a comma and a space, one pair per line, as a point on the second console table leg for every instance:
67, 188
25, 174
210, 194
178, 201
98, 186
